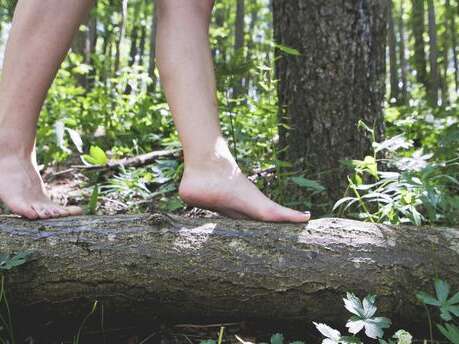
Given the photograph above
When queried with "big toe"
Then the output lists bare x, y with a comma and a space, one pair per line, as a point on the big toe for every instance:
283, 214
24, 211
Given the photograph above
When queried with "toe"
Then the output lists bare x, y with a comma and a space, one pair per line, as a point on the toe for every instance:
283, 214
24, 211
42, 211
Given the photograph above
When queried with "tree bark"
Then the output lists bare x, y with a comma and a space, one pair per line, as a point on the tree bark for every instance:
434, 83
453, 31
152, 54
239, 33
338, 80
123, 4
393, 67
220, 269
402, 52
418, 29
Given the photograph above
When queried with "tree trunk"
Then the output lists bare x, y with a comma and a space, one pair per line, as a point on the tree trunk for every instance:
418, 29
220, 269
338, 79
433, 55
152, 55
402, 51
121, 33
453, 31
239, 32
134, 49
444, 87
393, 67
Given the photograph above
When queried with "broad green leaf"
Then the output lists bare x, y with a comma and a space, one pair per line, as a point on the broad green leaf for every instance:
363, 317
98, 155
450, 331
332, 335
308, 184
427, 299
287, 50
9, 262
447, 307
442, 289
76, 139
277, 339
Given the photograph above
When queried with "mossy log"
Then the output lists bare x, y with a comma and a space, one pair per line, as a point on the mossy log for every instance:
221, 269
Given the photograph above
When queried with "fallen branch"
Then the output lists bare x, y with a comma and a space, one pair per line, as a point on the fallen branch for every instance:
136, 161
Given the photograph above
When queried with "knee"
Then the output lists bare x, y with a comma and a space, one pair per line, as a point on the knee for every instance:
201, 8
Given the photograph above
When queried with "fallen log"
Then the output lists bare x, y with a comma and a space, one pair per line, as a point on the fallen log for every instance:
221, 269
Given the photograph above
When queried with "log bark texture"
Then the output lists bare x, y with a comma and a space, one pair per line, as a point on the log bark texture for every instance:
197, 269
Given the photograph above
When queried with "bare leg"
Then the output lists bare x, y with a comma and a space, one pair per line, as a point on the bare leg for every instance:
212, 179
40, 37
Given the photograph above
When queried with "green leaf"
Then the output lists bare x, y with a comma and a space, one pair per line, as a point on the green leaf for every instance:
450, 331
76, 139
427, 299
332, 336
363, 317
8, 262
287, 50
98, 155
92, 205
308, 184
277, 339
442, 289
447, 307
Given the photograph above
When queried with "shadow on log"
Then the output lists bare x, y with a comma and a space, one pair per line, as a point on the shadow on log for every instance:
176, 268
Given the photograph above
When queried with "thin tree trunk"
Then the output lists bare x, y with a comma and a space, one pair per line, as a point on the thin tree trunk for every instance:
134, 49
239, 44
453, 33
445, 63
121, 34
143, 34
251, 46
393, 67
152, 55
418, 29
433, 54
402, 51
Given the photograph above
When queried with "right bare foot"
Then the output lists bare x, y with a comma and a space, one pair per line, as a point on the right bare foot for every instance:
23, 192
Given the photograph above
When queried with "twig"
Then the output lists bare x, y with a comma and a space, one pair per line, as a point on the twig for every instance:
136, 161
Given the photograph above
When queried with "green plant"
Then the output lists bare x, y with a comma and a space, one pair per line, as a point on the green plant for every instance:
363, 318
8, 262
76, 339
417, 190
448, 307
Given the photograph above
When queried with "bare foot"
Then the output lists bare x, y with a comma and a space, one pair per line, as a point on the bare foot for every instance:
23, 192
219, 185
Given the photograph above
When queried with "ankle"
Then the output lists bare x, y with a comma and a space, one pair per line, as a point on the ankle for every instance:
13, 144
217, 155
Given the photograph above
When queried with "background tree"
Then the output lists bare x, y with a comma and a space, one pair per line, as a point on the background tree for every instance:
335, 81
